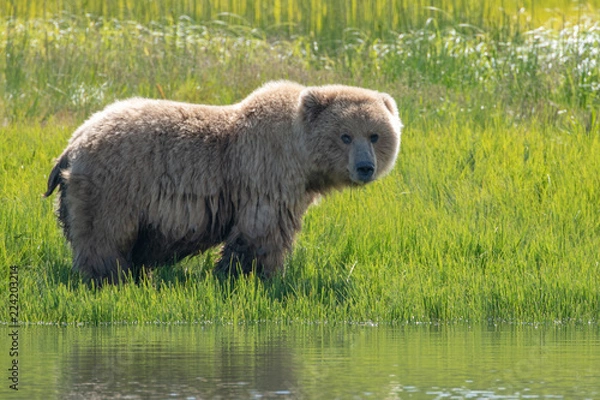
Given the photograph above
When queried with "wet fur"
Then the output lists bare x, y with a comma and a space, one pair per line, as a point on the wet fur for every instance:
148, 182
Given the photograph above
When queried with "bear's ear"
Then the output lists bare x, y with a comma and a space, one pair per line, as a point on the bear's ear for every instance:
312, 103
390, 104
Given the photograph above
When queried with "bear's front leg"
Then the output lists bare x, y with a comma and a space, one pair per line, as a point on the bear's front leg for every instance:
244, 255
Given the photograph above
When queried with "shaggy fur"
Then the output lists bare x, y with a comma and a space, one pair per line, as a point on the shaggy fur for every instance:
147, 182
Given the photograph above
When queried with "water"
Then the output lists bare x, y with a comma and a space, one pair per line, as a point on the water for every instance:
305, 361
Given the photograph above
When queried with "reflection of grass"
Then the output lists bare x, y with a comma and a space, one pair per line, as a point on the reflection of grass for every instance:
311, 360
492, 212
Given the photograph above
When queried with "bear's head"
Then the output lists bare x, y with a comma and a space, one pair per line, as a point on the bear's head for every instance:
353, 134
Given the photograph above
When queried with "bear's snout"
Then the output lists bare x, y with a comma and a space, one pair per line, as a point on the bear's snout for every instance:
362, 161
364, 171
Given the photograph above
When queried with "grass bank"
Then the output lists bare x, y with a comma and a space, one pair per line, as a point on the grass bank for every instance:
493, 212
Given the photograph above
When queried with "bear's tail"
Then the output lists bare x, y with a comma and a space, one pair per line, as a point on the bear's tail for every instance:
55, 177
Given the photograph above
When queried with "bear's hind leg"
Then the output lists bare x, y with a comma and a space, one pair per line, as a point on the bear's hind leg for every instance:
101, 266
101, 240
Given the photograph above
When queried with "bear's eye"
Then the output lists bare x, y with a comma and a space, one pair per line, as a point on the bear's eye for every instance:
374, 138
346, 138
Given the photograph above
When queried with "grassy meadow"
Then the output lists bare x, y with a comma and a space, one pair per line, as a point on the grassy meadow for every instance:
492, 213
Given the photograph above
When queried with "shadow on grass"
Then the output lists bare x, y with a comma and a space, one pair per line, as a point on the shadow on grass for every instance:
182, 272
304, 288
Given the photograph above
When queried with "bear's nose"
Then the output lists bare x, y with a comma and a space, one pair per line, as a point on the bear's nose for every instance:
365, 170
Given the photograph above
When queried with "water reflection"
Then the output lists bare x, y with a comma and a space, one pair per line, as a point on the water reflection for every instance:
308, 361
187, 362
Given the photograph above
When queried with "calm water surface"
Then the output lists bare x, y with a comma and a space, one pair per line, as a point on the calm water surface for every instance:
305, 361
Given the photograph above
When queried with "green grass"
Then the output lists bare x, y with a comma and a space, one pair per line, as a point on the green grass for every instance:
71, 65
492, 213
322, 20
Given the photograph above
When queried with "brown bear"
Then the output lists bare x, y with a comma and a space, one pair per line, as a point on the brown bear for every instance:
147, 182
